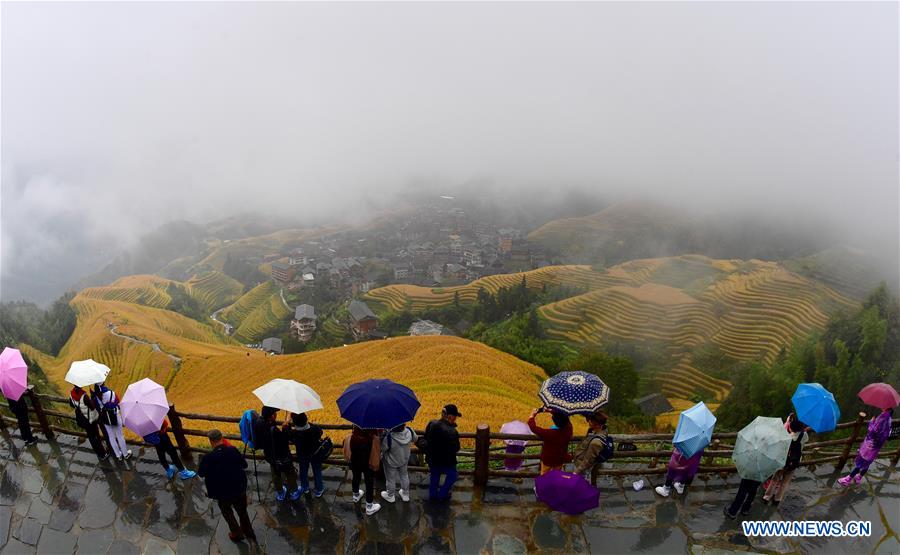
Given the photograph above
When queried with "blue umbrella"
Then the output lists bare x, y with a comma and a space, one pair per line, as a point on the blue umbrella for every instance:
379, 404
694, 431
574, 392
816, 407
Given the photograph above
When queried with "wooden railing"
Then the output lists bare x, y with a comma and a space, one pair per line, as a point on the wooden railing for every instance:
483, 462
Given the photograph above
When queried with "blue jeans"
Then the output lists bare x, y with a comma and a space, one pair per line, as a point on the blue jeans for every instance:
304, 474
437, 492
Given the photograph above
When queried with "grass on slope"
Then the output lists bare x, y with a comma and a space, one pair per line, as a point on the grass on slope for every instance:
257, 313
487, 385
213, 290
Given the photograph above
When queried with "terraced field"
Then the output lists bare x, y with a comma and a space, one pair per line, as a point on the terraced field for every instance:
143, 289
412, 297
256, 313
214, 290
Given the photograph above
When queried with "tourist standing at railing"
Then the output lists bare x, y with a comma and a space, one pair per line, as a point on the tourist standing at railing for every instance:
744, 498
307, 437
590, 451
20, 409
108, 403
878, 432
363, 450
441, 444
680, 472
395, 449
87, 416
223, 470
275, 441
780, 482
165, 448
555, 439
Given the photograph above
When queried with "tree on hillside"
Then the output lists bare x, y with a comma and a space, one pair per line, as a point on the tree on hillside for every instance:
616, 372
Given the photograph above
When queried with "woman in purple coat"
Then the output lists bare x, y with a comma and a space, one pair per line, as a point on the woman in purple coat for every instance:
680, 473
879, 430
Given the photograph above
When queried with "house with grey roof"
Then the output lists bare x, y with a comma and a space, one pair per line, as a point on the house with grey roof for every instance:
304, 322
654, 404
362, 320
272, 345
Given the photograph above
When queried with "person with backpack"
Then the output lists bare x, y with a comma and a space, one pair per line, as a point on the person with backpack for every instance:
275, 441
307, 438
680, 472
108, 403
164, 447
555, 440
595, 448
87, 416
226, 482
396, 445
780, 482
20, 409
441, 444
363, 450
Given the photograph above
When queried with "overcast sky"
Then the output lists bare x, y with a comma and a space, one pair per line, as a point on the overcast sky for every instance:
119, 117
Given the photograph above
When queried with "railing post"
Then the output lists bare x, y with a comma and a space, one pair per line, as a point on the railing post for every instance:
895, 458
482, 454
183, 446
39, 411
714, 446
654, 459
860, 421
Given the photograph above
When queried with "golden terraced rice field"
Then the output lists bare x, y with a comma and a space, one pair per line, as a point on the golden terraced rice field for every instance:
257, 313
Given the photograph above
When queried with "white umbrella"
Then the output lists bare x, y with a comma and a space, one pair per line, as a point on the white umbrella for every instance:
288, 395
83, 373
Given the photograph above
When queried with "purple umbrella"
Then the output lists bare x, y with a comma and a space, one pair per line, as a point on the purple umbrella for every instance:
13, 374
566, 492
144, 407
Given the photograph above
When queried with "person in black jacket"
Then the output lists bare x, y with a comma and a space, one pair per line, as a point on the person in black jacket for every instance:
226, 482
275, 441
307, 437
20, 409
442, 445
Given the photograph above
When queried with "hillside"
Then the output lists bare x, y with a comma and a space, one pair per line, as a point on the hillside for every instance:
257, 313
487, 385
210, 290
134, 340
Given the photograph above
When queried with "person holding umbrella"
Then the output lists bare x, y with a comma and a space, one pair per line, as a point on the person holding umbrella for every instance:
761, 448
108, 403
692, 435
779, 483
442, 444
885, 397
363, 450
680, 472
555, 446
164, 447
81, 374
13, 383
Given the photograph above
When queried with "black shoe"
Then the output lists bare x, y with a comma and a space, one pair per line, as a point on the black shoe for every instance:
729, 515
30, 442
776, 502
745, 512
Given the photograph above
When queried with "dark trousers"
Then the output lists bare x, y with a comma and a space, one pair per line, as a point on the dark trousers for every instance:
358, 474
237, 505
165, 447
745, 496
284, 475
93, 434
436, 492
24, 424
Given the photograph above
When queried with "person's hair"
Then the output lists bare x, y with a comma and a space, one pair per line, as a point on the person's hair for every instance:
299, 419
797, 426
561, 420
214, 435
399, 427
268, 412
598, 417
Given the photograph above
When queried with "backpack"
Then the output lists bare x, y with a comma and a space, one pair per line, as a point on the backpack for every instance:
609, 448
248, 420
323, 451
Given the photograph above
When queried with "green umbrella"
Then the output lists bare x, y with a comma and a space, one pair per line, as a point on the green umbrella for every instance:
761, 448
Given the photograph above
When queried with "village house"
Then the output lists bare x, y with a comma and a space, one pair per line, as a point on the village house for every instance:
402, 272
425, 327
281, 272
304, 322
362, 320
455, 272
505, 239
653, 404
272, 346
471, 257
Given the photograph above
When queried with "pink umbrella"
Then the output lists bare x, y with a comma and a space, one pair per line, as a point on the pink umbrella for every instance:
514, 446
144, 407
881, 395
13, 374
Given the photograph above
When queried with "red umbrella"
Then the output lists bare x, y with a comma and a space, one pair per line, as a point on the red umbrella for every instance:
881, 395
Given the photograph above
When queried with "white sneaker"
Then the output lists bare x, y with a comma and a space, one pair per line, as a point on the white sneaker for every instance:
679, 487
357, 496
372, 508
388, 497
663, 490
404, 495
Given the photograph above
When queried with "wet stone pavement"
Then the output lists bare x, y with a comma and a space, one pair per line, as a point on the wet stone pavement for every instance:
56, 498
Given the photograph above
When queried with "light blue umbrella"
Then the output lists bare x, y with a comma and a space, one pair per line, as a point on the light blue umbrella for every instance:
815, 406
761, 448
695, 428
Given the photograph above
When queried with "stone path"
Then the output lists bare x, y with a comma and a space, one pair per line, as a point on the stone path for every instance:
56, 498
